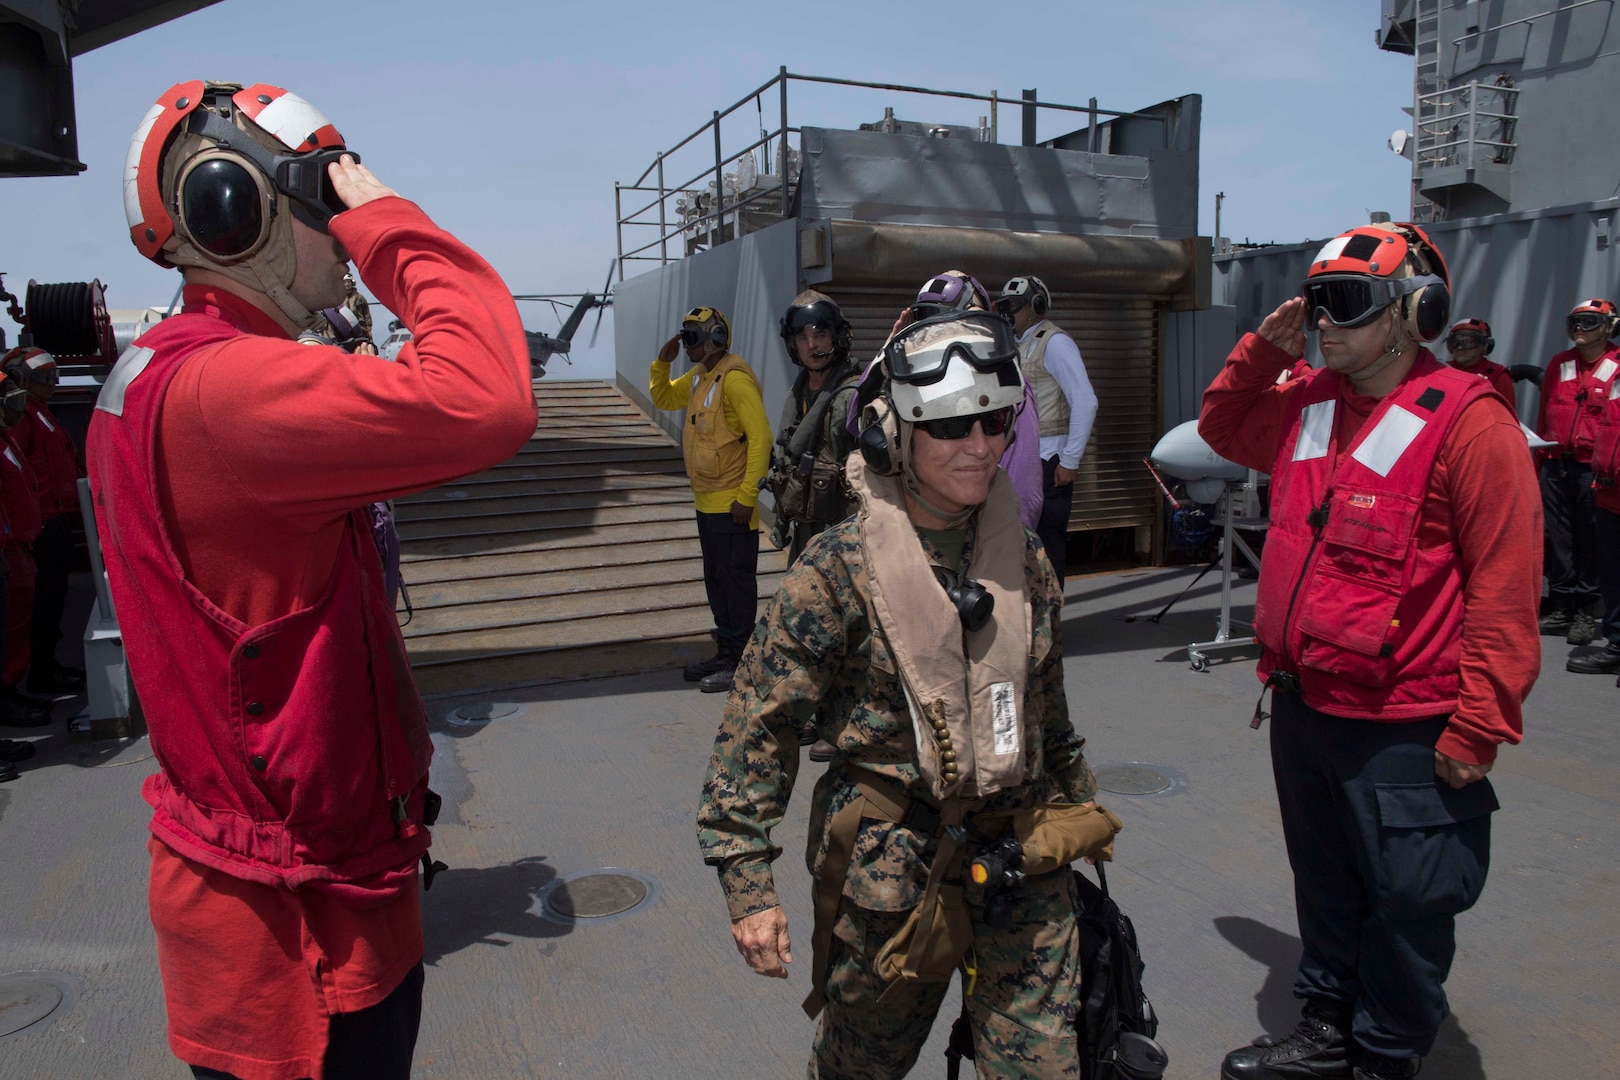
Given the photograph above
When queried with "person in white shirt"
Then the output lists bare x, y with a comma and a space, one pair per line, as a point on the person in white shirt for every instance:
1064, 402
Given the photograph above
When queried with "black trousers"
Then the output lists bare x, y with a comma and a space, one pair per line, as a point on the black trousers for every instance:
730, 576
372, 1044
1053, 526
1385, 856
1607, 528
1571, 538
53, 556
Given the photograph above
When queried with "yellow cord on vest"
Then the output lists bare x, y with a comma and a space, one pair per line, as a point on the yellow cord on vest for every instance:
970, 968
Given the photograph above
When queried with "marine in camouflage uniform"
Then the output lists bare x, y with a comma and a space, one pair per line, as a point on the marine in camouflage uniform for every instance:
819, 650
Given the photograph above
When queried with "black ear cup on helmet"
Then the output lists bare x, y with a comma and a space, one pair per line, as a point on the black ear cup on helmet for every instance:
1424, 313
973, 603
1490, 343
879, 439
1041, 302
221, 205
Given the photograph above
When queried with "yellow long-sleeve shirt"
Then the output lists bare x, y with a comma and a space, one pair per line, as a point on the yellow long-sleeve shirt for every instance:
744, 411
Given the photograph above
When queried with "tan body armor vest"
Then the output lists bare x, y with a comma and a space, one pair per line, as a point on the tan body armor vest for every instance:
1050, 405
716, 457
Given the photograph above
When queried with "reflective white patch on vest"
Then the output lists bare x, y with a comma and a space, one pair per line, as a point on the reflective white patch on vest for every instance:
708, 399
291, 119
1605, 371
1383, 447
1332, 249
1315, 429
132, 166
1004, 718
1566, 371
957, 377
127, 370
11, 457
42, 418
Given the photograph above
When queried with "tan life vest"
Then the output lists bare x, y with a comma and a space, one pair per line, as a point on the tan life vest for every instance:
1051, 407
716, 457
965, 690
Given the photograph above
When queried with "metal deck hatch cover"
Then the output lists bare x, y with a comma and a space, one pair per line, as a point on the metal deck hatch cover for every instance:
482, 711
26, 998
1133, 778
598, 894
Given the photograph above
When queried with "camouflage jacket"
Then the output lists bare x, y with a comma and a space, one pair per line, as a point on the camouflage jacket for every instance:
818, 653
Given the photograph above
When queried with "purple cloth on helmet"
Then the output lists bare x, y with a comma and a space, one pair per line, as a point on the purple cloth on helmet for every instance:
1022, 459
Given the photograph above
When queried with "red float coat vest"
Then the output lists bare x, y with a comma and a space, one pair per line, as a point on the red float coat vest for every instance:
1369, 622
19, 492
1573, 396
1606, 457
1493, 373
55, 462
294, 752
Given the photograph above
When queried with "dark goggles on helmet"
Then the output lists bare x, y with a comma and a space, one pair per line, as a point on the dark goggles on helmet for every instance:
1350, 300
1465, 339
693, 336
1011, 305
302, 178
1586, 320
921, 352
960, 427
817, 316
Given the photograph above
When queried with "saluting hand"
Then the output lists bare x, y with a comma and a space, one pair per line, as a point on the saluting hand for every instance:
354, 183
666, 355
1285, 327
762, 938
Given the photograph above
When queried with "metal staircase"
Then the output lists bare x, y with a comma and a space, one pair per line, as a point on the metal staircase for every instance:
578, 558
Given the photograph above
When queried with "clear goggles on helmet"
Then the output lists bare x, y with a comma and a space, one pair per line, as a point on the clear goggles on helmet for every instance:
1586, 320
949, 428
1350, 300
921, 352
1465, 339
302, 178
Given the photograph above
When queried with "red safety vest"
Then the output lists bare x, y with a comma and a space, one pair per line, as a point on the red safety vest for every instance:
1606, 457
1573, 395
1369, 622
19, 492
1493, 373
55, 462
295, 752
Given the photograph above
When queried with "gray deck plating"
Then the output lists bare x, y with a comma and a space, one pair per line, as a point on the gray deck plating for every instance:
606, 773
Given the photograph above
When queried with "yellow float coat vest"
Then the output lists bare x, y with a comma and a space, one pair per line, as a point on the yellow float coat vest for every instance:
716, 457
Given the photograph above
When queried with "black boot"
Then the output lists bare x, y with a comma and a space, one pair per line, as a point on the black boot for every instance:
8, 771
1371, 1066
1317, 1047
697, 670
718, 681
12, 751
21, 712
1604, 661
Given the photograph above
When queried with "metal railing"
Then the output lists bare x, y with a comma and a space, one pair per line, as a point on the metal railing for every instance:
703, 221
1469, 125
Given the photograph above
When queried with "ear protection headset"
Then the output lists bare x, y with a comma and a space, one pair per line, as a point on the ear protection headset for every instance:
879, 439
1424, 312
719, 330
973, 603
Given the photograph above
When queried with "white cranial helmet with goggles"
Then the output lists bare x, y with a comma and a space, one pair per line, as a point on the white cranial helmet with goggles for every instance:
215, 174
947, 375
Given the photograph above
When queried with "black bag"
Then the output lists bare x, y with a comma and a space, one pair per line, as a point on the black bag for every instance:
1116, 1024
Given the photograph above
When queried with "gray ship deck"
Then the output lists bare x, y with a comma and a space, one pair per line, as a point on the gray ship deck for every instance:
606, 773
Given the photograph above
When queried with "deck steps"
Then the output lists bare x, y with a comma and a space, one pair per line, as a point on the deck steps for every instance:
576, 558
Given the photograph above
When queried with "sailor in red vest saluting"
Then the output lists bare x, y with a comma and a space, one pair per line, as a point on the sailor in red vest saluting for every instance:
232, 469
1397, 614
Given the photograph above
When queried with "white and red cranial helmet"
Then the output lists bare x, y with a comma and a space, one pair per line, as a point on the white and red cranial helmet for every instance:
210, 170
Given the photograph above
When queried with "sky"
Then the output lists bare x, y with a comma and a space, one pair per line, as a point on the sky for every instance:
509, 122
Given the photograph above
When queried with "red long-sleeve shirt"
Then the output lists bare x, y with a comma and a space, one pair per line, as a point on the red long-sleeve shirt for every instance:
264, 447
1481, 500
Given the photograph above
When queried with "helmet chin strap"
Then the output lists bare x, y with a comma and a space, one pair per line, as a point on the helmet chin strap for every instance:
1396, 344
301, 316
908, 479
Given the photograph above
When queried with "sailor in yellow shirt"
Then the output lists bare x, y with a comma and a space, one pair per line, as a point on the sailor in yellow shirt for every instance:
726, 441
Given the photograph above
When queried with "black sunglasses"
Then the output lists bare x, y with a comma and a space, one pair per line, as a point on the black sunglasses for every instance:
949, 428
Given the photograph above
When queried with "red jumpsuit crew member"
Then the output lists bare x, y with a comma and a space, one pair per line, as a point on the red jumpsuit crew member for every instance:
230, 468
1469, 344
54, 458
19, 493
1606, 497
1574, 392
15, 485
1397, 611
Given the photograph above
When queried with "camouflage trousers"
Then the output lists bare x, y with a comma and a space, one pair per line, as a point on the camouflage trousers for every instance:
1022, 1005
